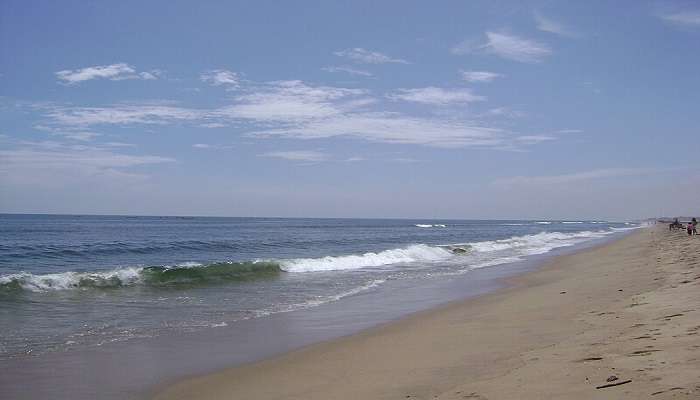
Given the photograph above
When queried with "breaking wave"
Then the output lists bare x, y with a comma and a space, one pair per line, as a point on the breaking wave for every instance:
410, 254
484, 253
161, 276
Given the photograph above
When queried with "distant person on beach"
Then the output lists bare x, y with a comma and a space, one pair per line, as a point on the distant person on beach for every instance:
690, 228
675, 225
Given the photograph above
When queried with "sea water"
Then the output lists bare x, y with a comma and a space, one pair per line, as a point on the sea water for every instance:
75, 282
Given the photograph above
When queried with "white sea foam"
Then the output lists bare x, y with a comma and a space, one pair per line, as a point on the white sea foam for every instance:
72, 280
629, 228
543, 222
497, 261
430, 225
410, 254
536, 244
189, 264
318, 301
478, 254
571, 222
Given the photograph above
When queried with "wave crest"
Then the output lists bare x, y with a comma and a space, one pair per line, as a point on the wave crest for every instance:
483, 253
414, 253
186, 274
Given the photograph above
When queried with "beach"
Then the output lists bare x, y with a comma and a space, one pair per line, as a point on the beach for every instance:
623, 311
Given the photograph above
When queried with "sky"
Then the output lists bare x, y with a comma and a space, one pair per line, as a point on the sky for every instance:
391, 109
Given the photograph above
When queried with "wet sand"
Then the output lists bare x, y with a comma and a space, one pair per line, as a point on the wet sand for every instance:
629, 310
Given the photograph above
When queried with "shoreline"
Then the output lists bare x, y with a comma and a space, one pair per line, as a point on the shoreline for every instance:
571, 303
153, 363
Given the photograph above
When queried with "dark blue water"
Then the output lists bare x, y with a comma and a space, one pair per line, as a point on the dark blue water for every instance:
72, 281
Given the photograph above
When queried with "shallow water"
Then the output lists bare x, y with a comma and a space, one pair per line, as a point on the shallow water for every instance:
70, 282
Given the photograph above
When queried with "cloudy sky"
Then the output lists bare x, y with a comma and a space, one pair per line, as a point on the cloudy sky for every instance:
449, 109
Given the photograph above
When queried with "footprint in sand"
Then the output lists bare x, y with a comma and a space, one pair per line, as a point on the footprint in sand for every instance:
642, 352
474, 396
589, 359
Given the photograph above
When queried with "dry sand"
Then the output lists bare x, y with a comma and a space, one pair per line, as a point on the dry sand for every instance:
630, 309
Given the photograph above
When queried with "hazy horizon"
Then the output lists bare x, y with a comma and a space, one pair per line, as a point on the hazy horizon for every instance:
458, 110
321, 217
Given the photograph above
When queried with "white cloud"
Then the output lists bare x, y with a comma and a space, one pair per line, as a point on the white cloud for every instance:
206, 146
151, 75
349, 70
121, 114
504, 112
114, 72
479, 76
386, 127
565, 131
299, 155
507, 46
574, 177
549, 25
534, 139
221, 77
213, 125
118, 144
435, 96
289, 101
364, 56
81, 135
297, 110
515, 48
686, 18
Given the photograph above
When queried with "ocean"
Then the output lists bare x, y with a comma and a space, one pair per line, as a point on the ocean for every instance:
76, 282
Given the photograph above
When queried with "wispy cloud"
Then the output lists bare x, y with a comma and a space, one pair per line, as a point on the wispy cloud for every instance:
534, 139
120, 114
298, 110
220, 77
364, 56
479, 76
689, 18
574, 177
207, 146
68, 132
289, 101
348, 70
565, 131
299, 155
50, 160
503, 112
546, 24
506, 46
213, 125
435, 96
387, 127
114, 72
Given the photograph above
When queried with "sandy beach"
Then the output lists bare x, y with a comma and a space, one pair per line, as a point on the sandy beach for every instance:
625, 314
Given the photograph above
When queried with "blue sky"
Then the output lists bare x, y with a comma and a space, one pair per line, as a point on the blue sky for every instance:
452, 109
